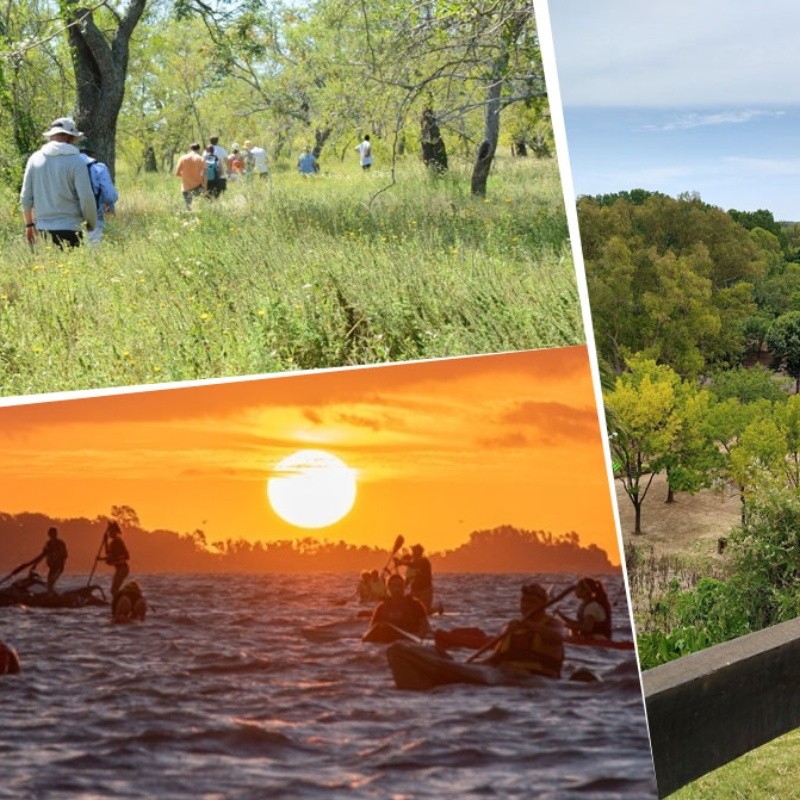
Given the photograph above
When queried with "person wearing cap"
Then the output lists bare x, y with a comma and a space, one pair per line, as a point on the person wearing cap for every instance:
116, 555
401, 609
191, 169
419, 575
56, 196
534, 642
593, 619
105, 192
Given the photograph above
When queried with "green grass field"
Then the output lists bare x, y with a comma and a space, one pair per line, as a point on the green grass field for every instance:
768, 773
290, 274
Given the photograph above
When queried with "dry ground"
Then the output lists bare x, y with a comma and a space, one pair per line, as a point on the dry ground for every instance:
689, 526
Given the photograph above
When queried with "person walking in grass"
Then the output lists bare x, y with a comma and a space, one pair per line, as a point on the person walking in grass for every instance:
256, 160
191, 170
56, 196
222, 160
307, 163
105, 192
364, 149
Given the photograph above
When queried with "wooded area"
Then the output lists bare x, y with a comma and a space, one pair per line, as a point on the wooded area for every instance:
697, 314
144, 78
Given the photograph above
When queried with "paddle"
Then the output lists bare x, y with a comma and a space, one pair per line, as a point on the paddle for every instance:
398, 543
492, 642
18, 569
410, 636
99, 551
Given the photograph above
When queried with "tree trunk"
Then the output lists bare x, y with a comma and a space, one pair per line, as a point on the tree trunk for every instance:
637, 516
434, 152
488, 147
320, 137
101, 66
149, 159
670, 494
519, 149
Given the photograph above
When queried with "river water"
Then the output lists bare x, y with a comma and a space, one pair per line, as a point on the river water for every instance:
252, 687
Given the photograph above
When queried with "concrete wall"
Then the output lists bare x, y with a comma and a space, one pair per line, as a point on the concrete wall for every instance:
713, 706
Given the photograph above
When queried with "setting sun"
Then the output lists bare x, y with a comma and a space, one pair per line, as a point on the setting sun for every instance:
311, 489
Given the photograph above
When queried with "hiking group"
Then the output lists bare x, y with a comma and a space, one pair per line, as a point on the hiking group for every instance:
66, 188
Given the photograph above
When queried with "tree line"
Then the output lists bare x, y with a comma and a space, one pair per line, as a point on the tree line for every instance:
146, 77
502, 549
687, 302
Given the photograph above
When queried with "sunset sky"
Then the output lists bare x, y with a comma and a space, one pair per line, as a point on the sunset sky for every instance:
439, 449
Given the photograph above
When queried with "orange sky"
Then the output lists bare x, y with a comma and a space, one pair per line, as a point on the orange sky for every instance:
441, 448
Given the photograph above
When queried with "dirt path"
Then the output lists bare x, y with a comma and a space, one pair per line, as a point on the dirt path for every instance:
689, 526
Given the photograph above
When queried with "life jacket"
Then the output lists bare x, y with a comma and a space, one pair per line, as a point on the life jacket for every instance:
132, 594
408, 614
531, 647
117, 553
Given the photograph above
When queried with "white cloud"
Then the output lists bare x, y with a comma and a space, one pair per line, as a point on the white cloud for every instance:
765, 166
685, 122
681, 53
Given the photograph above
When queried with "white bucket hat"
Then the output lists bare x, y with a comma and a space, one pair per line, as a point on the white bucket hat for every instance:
63, 125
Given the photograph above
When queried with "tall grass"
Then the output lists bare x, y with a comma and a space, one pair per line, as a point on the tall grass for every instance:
289, 274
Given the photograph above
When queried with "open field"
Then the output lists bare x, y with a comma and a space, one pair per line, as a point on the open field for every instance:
290, 274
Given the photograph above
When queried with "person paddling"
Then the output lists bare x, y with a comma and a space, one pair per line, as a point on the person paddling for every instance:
419, 575
55, 555
402, 610
593, 619
116, 555
533, 643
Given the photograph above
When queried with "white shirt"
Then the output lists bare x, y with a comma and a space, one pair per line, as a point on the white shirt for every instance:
365, 151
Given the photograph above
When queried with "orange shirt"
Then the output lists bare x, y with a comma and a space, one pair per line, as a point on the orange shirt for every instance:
191, 170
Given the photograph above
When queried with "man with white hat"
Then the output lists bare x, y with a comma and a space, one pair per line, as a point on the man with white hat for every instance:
57, 196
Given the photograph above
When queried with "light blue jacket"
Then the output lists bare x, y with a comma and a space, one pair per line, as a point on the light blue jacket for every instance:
57, 187
103, 187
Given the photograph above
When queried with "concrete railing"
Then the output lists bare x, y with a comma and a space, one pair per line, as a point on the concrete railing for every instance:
710, 707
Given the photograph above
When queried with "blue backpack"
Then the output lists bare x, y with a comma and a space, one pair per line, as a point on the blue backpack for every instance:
212, 166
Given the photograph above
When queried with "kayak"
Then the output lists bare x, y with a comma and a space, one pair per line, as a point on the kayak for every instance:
418, 667
475, 638
73, 598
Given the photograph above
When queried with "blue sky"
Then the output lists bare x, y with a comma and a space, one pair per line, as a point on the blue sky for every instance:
683, 97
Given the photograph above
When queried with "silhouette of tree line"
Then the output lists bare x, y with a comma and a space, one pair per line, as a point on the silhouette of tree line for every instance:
502, 549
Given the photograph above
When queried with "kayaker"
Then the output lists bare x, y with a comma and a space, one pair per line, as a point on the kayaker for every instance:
533, 643
129, 603
364, 589
116, 555
402, 610
419, 576
377, 586
593, 619
55, 555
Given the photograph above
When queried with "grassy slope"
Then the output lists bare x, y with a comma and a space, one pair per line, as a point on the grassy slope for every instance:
292, 274
687, 532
